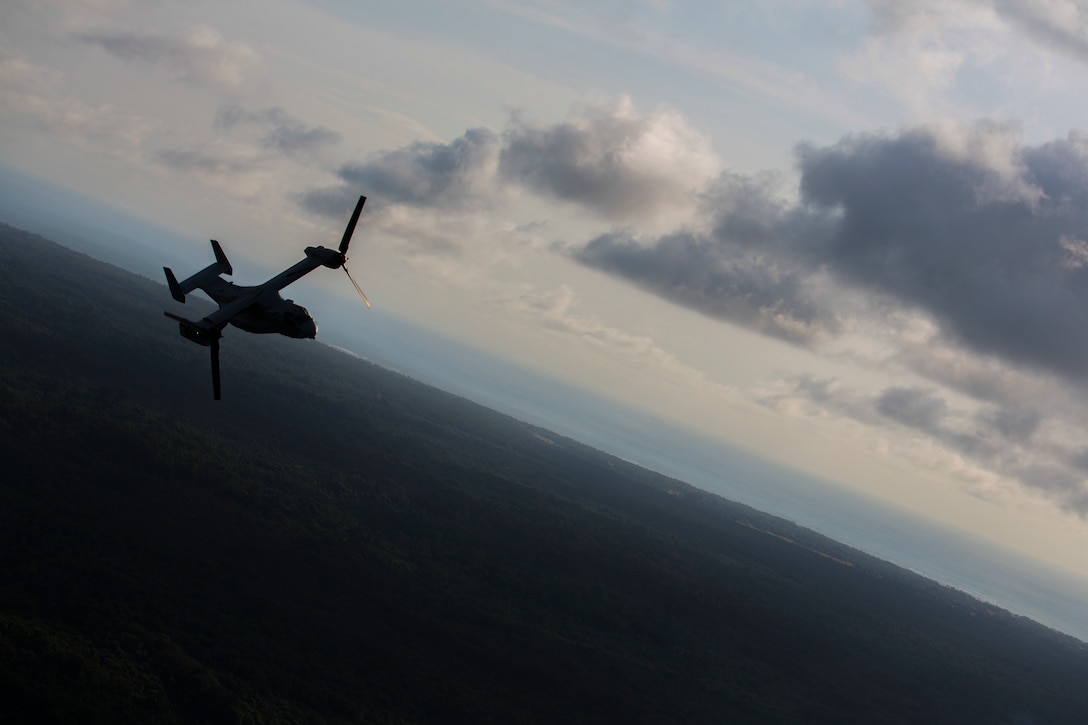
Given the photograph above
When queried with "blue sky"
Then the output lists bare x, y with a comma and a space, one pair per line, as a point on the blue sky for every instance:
851, 237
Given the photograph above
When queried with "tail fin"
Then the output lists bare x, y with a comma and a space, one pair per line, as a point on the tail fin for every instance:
220, 266
175, 288
221, 258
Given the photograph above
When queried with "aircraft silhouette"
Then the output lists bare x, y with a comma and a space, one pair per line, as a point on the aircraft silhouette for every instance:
260, 308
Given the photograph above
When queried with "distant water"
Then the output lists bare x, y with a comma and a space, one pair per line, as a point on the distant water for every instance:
1002, 577
1009, 580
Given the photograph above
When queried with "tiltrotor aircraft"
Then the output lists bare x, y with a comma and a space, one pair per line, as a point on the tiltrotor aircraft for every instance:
260, 308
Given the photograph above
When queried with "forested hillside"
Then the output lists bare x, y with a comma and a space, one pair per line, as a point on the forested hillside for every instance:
337, 543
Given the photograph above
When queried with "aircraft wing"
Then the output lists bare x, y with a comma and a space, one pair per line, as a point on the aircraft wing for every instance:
315, 257
226, 313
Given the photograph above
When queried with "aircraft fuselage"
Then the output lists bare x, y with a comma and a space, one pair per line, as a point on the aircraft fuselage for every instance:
268, 314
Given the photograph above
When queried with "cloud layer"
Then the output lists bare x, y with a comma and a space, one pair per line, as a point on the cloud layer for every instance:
608, 159
962, 226
980, 232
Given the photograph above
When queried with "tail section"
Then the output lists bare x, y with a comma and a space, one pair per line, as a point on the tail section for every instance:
220, 266
175, 288
221, 259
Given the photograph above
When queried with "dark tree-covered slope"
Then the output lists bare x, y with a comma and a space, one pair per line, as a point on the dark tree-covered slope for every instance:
337, 543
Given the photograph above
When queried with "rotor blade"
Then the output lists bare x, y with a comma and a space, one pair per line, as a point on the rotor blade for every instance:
215, 369
351, 225
357, 287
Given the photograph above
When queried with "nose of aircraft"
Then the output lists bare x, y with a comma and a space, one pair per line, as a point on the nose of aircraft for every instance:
308, 329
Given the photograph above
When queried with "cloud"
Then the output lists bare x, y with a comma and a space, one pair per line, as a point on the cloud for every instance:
279, 131
719, 280
955, 251
612, 160
962, 58
738, 260
989, 448
919, 51
251, 152
199, 56
913, 407
624, 167
608, 159
961, 227
422, 174
238, 173
972, 234
556, 310
916, 51
1053, 24
963, 223
960, 222
29, 93
1012, 423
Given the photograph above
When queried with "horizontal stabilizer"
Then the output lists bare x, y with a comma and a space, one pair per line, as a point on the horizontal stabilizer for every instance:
178, 290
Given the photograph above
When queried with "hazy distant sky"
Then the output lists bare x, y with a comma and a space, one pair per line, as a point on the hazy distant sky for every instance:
852, 236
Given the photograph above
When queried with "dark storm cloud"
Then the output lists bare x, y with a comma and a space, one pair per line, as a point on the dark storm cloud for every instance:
280, 131
984, 235
420, 174
746, 269
1064, 486
718, 280
913, 407
988, 249
1016, 424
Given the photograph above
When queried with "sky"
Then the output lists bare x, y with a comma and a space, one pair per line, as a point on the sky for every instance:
848, 236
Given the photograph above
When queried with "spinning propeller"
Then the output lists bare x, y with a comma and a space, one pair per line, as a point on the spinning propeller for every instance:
203, 334
346, 240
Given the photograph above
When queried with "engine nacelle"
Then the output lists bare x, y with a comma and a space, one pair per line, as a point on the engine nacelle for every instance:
197, 334
328, 257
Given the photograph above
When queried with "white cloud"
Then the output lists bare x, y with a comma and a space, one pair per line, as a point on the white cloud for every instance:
30, 96
614, 160
917, 51
200, 55
1053, 24
1001, 447
556, 310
